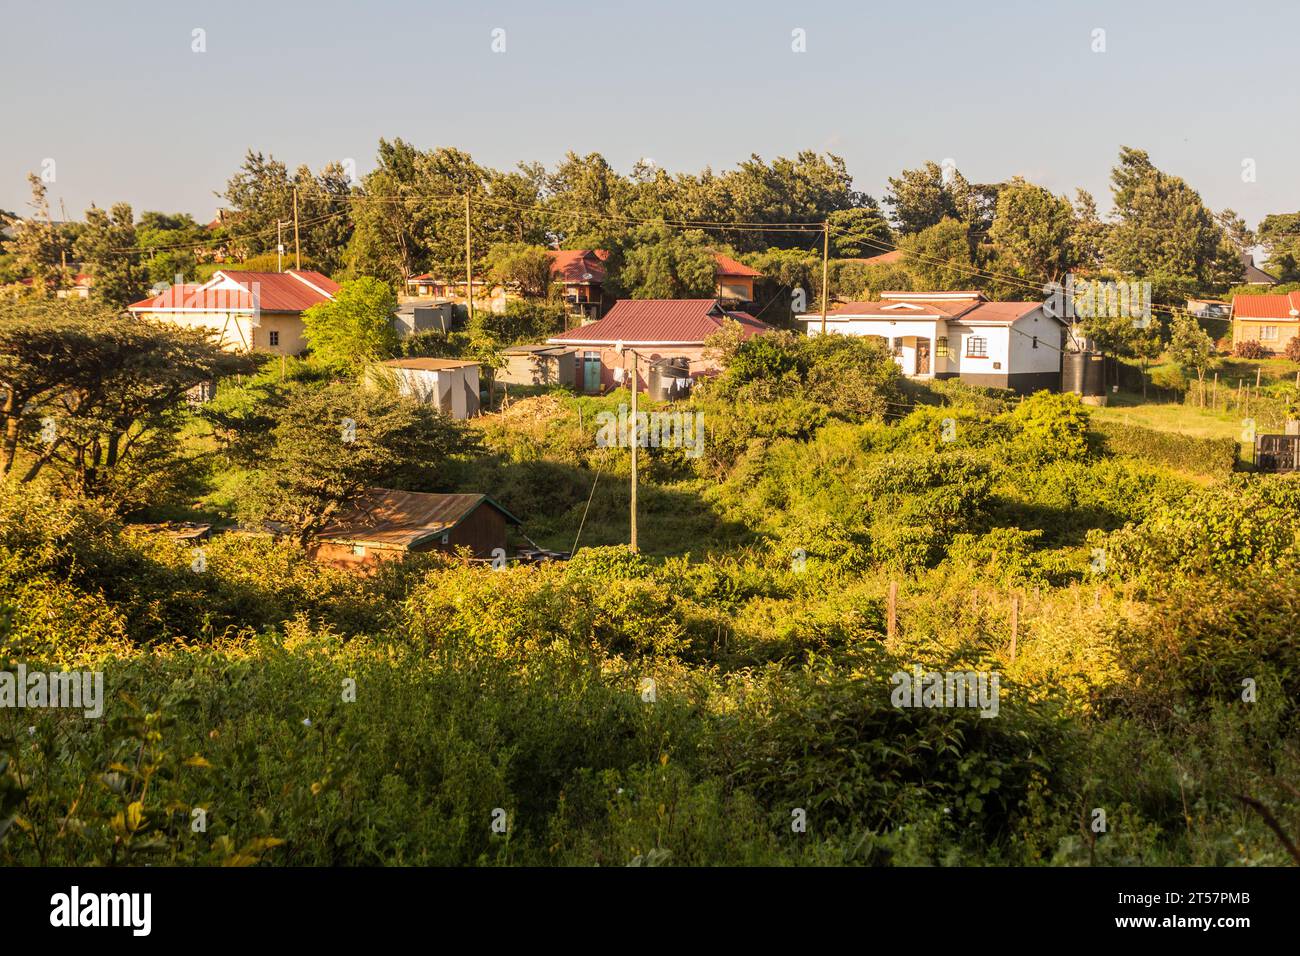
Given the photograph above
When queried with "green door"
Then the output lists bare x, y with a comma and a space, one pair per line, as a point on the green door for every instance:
591, 373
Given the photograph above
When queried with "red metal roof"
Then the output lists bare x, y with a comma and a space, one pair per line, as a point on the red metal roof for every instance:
659, 321
578, 265
727, 266
292, 291
1284, 307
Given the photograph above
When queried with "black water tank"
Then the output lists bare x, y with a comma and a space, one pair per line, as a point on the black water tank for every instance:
1083, 373
670, 379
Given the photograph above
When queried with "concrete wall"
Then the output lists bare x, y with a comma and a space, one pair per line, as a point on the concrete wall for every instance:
1245, 330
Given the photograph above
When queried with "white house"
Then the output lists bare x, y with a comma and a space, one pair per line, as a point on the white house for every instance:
247, 311
958, 335
451, 384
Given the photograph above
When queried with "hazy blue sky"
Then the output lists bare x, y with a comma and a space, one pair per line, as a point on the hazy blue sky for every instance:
113, 93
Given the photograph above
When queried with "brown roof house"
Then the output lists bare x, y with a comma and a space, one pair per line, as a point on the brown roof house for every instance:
661, 331
958, 335
387, 525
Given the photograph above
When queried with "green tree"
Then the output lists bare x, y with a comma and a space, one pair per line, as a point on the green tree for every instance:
667, 264
168, 245
35, 244
940, 257
355, 328
1191, 347
1031, 232
859, 233
1163, 233
107, 248
521, 266
261, 194
1280, 235
334, 440
95, 396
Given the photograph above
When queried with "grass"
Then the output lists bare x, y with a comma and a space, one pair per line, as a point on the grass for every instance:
1131, 409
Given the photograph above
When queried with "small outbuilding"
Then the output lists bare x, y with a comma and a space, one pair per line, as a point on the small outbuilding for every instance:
451, 384
386, 525
539, 365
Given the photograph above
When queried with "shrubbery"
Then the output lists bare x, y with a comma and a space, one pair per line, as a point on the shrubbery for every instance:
1202, 456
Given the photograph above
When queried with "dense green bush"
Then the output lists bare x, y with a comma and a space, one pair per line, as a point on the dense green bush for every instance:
1203, 456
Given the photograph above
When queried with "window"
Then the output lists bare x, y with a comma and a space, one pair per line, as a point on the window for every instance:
977, 347
357, 549
941, 346
898, 346
274, 338
1268, 333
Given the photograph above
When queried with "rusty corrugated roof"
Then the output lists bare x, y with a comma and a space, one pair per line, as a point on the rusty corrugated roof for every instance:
403, 519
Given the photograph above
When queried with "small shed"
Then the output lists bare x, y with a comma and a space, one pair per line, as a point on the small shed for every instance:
431, 315
386, 525
451, 384
539, 365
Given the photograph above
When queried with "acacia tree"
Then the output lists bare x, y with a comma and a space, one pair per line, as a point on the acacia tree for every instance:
95, 396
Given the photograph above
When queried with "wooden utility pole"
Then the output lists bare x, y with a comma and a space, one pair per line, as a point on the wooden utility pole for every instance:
636, 445
826, 270
297, 249
469, 291
891, 621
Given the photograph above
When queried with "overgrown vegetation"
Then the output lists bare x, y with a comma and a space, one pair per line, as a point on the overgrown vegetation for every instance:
688, 704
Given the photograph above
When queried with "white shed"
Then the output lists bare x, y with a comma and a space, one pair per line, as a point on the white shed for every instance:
451, 384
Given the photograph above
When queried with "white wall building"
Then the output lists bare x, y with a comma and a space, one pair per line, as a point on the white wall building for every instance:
451, 384
958, 335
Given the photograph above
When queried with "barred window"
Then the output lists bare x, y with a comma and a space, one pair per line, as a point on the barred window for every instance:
275, 338
941, 346
898, 346
977, 347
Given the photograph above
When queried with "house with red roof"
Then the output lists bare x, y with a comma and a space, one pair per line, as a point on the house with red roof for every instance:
247, 311
662, 332
582, 273
935, 335
1270, 320
734, 280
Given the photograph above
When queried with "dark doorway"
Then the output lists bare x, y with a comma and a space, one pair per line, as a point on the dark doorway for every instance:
922, 356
